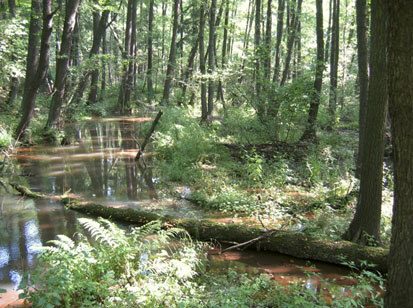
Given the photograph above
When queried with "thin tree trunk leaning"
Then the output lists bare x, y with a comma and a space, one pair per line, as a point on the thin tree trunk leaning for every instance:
62, 64
310, 130
365, 226
172, 54
290, 41
148, 135
286, 242
39, 71
400, 74
363, 73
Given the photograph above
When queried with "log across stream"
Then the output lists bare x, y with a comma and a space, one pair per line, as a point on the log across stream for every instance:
295, 244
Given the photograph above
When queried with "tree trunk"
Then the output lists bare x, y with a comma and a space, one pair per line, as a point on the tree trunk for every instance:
204, 105
12, 8
280, 25
224, 51
211, 61
62, 64
330, 17
172, 54
363, 73
400, 72
129, 57
257, 55
310, 130
97, 39
365, 226
36, 74
335, 35
268, 30
296, 13
150, 50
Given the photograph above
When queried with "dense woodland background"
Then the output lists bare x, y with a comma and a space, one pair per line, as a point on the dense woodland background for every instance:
304, 78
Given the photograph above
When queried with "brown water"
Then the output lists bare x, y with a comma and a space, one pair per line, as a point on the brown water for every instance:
100, 166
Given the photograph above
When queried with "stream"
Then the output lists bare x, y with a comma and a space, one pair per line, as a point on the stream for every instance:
100, 166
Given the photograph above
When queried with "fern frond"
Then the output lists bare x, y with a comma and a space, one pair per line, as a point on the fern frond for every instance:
99, 232
63, 242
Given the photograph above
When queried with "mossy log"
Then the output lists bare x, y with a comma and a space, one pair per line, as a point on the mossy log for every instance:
295, 244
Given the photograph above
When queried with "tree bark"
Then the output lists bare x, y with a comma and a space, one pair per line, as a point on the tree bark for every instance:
365, 226
257, 55
310, 130
62, 64
295, 17
204, 105
172, 54
335, 35
129, 58
150, 50
211, 61
400, 72
36, 74
12, 7
280, 25
363, 73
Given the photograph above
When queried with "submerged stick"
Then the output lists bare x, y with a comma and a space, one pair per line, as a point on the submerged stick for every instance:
148, 135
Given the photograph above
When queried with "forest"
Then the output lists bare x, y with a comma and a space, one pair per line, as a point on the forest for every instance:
217, 153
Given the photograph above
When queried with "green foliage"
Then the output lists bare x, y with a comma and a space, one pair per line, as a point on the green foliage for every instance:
123, 268
6, 139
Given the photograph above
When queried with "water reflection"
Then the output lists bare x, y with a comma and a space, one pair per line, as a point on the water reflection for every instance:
26, 225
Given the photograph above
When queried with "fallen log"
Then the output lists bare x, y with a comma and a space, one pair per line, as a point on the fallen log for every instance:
295, 244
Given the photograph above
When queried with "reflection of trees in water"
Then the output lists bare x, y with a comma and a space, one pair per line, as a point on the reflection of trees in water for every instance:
25, 226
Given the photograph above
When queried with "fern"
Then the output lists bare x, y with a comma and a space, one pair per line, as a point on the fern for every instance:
100, 233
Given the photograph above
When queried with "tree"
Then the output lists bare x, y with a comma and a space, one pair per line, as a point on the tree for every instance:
363, 73
150, 49
202, 68
400, 75
129, 54
335, 29
211, 61
280, 25
310, 130
62, 63
172, 54
365, 225
37, 61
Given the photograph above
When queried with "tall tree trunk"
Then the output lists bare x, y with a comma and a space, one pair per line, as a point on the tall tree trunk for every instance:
268, 30
62, 64
296, 13
224, 50
280, 25
204, 105
400, 72
365, 225
129, 55
335, 39
150, 50
172, 54
310, 130
12, 7
94, 50
211, 61
328, 40
36, 70
257, 53
363, 73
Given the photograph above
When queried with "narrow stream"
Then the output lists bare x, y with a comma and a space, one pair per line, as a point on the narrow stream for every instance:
100, 166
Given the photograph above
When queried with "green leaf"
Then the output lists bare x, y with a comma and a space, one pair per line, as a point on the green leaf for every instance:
3, 290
